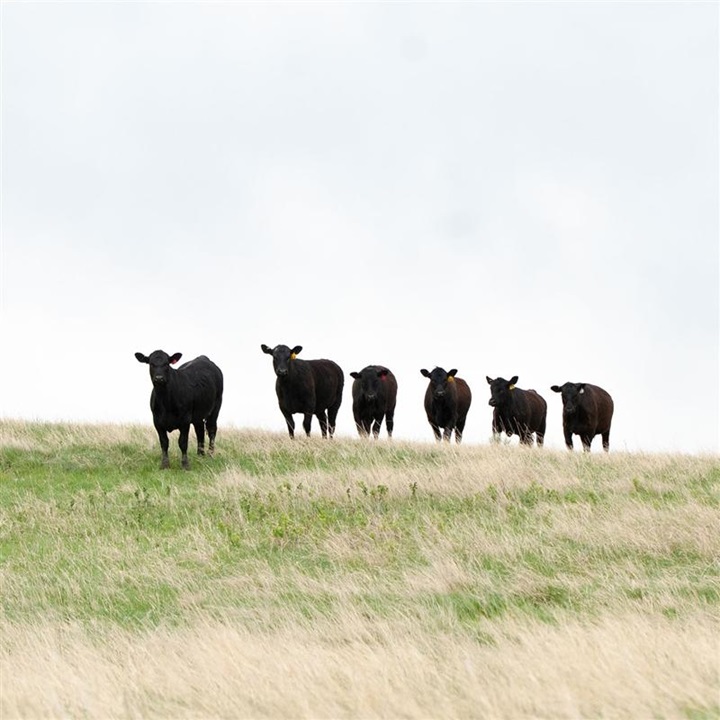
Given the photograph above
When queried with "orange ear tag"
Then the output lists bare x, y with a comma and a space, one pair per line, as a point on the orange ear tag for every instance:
512, 387
293, 356
451, 378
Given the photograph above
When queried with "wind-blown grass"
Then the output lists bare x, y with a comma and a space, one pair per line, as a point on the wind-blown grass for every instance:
353, 578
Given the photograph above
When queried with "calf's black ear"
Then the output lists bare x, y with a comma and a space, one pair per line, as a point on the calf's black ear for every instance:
489, 379
356, 375
142, 358
555, 388
513, 380
297, 349
174, 358
266, 349
453, 372
425, 372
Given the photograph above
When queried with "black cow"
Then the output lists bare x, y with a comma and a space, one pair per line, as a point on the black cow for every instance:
587, 412
516, 411
192, 394
374, 394
447, 401
310, 387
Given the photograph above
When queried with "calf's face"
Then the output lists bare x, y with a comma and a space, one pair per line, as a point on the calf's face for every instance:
159, 363
571, 396
371, 380
282, 356
500, 390
439, 380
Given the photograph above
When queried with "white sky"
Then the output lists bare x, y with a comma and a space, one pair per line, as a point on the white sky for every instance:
502, 188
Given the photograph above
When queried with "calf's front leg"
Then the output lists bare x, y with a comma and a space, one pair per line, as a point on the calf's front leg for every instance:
164, 445
183, 443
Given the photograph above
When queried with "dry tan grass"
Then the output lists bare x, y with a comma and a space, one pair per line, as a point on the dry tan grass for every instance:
23, 435
616, 667
617, 658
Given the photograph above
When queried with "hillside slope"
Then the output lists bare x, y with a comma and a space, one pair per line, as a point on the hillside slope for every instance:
353, 579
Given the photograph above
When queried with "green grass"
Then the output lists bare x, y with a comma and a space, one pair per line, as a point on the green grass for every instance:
273, 536
93, 531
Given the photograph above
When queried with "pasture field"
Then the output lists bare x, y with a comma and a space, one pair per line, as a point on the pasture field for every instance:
353, 579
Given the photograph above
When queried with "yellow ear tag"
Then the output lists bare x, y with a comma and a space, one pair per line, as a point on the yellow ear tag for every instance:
451, 378
512, 387
293, 356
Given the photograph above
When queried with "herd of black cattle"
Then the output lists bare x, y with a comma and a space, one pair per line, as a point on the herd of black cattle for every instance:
192, 395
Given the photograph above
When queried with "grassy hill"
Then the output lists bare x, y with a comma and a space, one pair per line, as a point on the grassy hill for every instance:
353, 579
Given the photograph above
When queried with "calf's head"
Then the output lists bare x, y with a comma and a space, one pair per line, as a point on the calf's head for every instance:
572, 395
159, 363
282, 356
371, 379
500, 390
439, 380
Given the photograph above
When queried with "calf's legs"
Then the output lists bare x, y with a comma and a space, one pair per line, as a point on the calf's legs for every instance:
390, 421
606, 441
459, 427
376, 426
183, 443
307, 422
211, 426
200, 435
322, 419
290, 423
332, 412
164, 444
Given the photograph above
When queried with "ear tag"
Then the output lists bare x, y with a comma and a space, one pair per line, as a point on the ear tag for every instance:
512, 387
451, 378
582, 390
293, 356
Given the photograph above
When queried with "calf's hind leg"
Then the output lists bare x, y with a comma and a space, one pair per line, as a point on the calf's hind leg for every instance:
606, 441
332, 412
459, 427
211, 425
322, 419
199, 426
390, 421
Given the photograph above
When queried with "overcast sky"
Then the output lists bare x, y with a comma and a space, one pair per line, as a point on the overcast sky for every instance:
503, 188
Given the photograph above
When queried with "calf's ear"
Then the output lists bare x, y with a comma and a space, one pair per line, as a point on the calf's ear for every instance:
355, 375
489, 379
513, 380
555, 388
266, 349
452, 373
175, 357
297, 350
425, 373
142, 358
